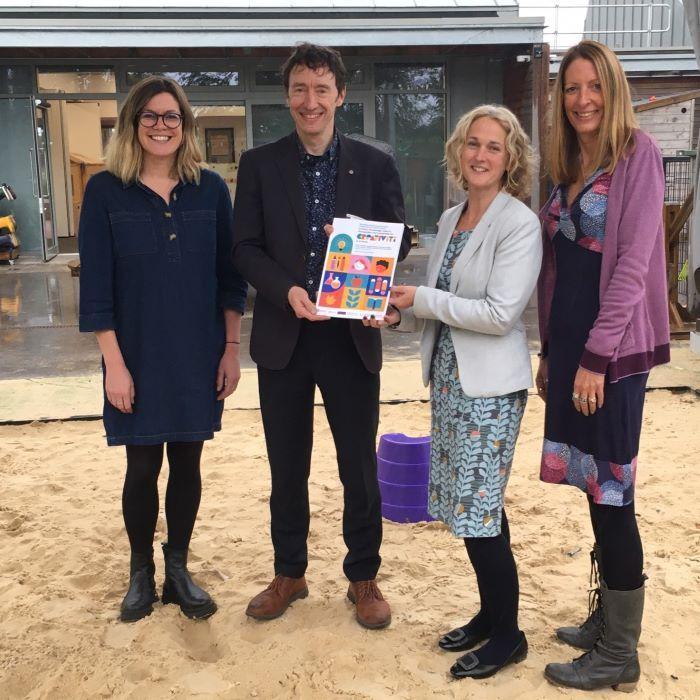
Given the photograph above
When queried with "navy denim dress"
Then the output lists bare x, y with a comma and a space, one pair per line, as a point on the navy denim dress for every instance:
160, 276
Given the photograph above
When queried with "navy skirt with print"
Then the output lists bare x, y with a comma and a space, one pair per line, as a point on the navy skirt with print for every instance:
596, 453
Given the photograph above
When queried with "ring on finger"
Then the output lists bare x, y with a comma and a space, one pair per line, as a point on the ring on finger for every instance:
575, 396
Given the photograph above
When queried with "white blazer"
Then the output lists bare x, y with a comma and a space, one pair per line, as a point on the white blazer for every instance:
492, 281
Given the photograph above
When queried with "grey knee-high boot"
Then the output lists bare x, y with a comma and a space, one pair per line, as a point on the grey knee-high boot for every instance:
613, 661
585, 635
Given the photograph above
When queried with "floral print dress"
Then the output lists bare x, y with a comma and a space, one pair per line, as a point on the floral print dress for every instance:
597, 453
473, 439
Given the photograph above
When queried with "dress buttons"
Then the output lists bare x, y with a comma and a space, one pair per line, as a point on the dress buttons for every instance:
313, 228
175, 196
167, 215
317, 173
315, 201
172, 236
313, 255
311, 281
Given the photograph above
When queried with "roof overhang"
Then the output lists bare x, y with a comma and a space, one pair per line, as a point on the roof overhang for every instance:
481, 24
639, 63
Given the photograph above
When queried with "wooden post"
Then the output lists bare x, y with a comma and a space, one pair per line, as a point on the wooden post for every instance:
670, 216
675, 217
541, 89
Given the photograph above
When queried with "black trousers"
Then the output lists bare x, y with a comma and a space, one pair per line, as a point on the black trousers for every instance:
325, 356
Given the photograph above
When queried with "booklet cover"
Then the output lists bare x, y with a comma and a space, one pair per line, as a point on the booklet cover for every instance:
359, 268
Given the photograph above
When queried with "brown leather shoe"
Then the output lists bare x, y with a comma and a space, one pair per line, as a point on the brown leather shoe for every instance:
277, 597
371, 610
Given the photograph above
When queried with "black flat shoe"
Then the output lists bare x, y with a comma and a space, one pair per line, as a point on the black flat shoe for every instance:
459, 640
468, 666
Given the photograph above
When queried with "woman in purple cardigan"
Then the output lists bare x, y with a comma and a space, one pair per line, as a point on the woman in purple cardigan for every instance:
603, 325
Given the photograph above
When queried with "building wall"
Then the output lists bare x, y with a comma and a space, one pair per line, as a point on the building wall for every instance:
671, 126
661, 86
84, 132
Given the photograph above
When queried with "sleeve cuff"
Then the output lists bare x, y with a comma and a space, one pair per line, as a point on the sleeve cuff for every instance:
597, 364
233, 301
420, 307
88, 323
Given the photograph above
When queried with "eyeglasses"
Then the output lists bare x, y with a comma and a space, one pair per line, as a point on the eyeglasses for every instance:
171, 120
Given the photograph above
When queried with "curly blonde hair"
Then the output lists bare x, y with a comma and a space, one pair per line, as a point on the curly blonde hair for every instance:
520, 158
124, 156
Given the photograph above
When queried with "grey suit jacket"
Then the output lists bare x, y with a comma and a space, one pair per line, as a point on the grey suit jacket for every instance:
492, 281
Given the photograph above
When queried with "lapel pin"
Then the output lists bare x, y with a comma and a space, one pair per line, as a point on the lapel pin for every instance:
351, 172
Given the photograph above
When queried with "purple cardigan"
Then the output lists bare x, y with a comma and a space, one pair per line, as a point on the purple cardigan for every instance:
631, 333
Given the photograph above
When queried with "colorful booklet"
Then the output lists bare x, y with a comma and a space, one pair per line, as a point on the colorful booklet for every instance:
359, 268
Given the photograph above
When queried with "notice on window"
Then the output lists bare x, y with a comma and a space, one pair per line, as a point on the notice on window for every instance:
359, 268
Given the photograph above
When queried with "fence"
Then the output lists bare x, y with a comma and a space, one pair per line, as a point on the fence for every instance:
679, 171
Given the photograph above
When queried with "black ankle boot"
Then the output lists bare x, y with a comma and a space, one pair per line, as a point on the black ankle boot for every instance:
139, 599
181, 589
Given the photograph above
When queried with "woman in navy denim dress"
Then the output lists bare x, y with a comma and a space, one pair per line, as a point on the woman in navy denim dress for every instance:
158, 289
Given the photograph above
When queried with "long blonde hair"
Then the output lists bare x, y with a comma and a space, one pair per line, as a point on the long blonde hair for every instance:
616, 133
124, 156
520, 158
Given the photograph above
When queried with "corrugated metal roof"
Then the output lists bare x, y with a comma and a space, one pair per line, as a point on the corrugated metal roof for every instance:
630, 24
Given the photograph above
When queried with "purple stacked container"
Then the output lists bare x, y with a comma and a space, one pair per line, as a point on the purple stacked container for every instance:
403, 467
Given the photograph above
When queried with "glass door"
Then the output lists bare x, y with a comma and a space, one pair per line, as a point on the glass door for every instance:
18, 169
43, 191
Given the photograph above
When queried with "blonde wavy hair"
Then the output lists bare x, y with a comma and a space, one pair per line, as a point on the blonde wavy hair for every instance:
124, 157
520, 158
616, 133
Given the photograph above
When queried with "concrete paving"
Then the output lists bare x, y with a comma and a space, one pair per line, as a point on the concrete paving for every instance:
39, 321
48, 370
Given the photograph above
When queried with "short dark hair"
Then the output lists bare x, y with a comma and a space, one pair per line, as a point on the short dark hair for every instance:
315, 57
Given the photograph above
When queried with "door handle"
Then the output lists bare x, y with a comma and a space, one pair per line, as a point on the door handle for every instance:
32, 164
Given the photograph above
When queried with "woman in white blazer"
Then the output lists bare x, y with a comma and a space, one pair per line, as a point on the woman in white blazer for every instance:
481, 274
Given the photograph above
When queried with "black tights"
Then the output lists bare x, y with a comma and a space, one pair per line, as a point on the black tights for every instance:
617, 535
497, 579
140, 495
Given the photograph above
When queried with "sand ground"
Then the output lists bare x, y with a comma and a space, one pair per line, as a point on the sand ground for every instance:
64, 569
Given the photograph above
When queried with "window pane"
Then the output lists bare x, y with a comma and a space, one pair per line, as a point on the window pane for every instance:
15, 79
270, 122
71, 80
273, 78
190, 78
415, 126
409, 76
350, 119
221, 133
268, 78
356, 76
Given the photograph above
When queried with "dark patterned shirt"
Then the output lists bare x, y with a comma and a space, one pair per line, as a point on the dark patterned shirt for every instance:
319, 176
